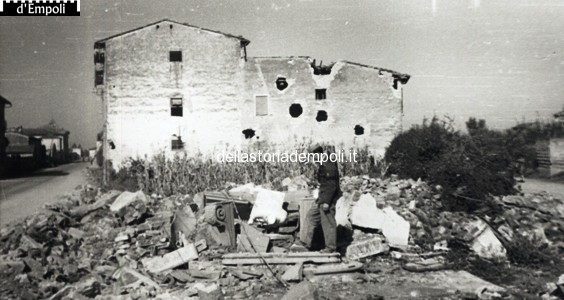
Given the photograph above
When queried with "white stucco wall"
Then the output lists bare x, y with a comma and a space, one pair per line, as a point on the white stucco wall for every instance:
140, 81
556, 150
218, 88
356, 95
50, 142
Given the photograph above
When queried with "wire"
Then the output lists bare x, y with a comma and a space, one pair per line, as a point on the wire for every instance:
282, 282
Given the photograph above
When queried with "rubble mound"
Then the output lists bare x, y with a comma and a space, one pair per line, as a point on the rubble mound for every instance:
219, 244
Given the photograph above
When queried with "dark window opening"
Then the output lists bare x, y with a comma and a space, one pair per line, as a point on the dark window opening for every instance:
170, 26
296, 110
99, 78
249, 133
99, 57
281, 83
320, 94
176, 143
395, 83
158, 26
112, 145
321, 116
358, 130
175, 56
176, 109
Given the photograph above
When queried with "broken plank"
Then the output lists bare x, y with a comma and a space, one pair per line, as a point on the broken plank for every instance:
279, 258
334, 268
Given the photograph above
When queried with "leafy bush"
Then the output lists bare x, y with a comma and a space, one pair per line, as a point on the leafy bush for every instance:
469, 168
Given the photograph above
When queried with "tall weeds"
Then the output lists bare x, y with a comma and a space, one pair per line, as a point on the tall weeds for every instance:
186, 174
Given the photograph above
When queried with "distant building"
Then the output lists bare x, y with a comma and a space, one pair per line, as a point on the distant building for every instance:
76, 152
4, 103
24, 153
54, 138
172, 87
550, 152
559, 117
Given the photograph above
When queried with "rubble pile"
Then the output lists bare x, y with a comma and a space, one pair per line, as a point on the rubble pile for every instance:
241, 242
537, 217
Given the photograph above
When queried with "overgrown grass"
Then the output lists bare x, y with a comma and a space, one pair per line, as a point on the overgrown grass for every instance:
185, 174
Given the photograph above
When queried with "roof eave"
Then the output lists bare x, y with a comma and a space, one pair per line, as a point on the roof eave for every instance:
402, 77
244, 41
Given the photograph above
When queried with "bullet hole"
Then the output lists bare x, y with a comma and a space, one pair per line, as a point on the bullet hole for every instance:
321, 116
358, 130
249, 133
281, 83
296, 110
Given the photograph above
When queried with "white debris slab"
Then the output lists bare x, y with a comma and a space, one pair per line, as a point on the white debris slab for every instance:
343, 210
395, 228
268, 207
486, 244
126, 198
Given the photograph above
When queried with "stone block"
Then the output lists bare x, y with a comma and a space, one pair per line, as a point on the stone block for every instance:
171, 260
367, 247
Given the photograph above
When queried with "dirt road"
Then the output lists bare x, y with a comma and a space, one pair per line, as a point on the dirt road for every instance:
21, 197
538, 185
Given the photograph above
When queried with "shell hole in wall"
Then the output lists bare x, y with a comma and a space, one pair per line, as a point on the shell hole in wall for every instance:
281, 83
248, 133
358, 130
321, 116
296, 110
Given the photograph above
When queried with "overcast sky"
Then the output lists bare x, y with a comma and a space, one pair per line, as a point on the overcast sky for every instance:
502, 60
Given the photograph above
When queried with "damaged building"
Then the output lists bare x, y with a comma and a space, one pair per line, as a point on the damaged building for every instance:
172, 87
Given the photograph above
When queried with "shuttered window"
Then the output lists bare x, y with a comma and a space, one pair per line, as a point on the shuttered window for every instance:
261, 103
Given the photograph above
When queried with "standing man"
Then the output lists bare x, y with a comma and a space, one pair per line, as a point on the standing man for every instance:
324, 211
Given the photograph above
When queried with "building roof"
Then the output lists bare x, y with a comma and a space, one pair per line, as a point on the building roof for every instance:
49, 130
5, 101
402, 77
243, 40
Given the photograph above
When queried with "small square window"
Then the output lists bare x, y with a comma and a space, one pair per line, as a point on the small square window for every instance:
176, 143
261, 103
175, 56
176, 109
320, 94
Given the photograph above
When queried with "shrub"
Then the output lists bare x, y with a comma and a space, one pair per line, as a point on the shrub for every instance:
469, 168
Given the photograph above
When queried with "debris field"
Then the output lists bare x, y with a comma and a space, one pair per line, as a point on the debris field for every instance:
242, 242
